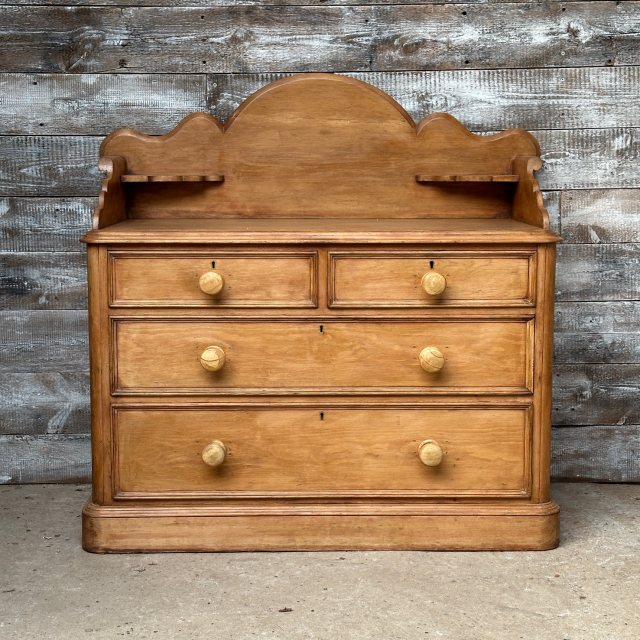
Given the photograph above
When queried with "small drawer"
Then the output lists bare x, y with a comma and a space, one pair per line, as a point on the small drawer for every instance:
195, 356
263, 452
251, 279
403, 279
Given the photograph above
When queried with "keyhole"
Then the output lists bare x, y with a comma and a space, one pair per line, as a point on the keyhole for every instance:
213, 264
322, 415
321, 328
431, 263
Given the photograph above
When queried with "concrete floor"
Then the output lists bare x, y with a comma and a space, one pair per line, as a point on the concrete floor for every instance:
588, 588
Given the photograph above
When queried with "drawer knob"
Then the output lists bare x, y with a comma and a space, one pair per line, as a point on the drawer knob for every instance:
430, 453
431, 359
212, 358
211, 283
434, 283
215, 453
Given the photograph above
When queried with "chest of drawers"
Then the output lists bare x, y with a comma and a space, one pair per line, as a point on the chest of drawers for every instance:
320, 327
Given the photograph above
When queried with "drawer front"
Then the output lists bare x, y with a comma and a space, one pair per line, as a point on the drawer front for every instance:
394, 279
262, 357
329, 451
257, 279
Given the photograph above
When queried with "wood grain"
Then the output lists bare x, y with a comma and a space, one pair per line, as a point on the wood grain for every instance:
386, 279
44, 224
596, 394
435, 527
485, 100
41, 341
49, 104
43, 281
597, 453
251, 279
598, 272
598, 332
41, 403
340, 451
240, 3
49, 166
359, 38
601, 216
306, 357
165, 232
51, 458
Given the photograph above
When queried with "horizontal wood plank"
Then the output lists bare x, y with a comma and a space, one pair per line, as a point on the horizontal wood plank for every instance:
67, 165
597, 332
597, 454
49, 166
45, 104
579, 453
597, 317
44, 402
597, 347
316, 38
43, 341
589, 158
51, 458
598, 272
601, 215
45, 224
591, 394
43, 281
484, 100
249, 3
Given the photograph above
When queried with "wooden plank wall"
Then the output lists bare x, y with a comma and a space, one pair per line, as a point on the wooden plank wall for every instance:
70, 73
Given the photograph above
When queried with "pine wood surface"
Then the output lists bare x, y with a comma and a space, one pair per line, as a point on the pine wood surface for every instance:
334, 230
584, 116
435, 528
305, 145
303, 452
256, 278
335, 357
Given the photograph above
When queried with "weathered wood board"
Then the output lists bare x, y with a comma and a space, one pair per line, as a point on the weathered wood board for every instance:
485, 100
70, 73
50, 458
597, 453
41, 403
45, 224
317, 38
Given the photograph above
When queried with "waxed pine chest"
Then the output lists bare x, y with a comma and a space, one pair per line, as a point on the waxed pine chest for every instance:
320, 326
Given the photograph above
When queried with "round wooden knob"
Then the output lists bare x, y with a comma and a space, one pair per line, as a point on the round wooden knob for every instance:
434, 283
211, 283
431, 359
212, 358
430, 453
214, 453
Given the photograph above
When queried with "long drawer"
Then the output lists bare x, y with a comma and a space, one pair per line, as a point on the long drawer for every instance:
266, 357
335, 451
396, 279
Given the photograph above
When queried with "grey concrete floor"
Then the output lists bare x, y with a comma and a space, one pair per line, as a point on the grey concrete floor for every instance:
588, 588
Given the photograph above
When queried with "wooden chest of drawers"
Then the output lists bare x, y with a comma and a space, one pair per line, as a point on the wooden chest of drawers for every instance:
320, 327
